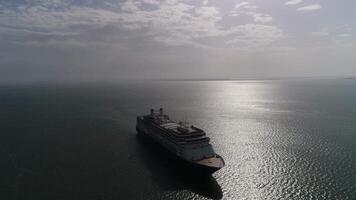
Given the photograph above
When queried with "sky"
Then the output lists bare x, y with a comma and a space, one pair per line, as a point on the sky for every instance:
94, 40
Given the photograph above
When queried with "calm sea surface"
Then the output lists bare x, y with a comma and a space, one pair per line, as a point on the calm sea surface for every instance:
280, 140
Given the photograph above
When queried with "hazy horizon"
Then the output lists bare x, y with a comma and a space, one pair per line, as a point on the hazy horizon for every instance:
70, 41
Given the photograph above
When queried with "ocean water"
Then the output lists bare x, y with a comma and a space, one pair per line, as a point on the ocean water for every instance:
280, 139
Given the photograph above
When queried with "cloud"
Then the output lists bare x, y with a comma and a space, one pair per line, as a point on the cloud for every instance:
293, 2
245, 8
173, 22
322, 33
255, 35
263, 18
345, 35
56, 19
242, 5
152, 2
312, 7
345, 30
131, 6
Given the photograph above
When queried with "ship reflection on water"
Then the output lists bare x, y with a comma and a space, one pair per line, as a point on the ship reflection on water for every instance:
170, 174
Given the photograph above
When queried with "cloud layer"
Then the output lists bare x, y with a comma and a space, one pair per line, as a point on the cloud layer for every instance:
170, 22
103, 39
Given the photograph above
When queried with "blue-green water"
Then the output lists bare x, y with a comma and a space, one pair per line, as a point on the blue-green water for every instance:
280, 140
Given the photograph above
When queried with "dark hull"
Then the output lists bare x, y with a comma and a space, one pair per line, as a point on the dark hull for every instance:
202, 169
178, 162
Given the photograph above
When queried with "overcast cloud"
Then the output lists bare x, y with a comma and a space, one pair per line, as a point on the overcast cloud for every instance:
67, 40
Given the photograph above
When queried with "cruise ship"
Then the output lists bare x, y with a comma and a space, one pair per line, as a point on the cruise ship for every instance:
188, 143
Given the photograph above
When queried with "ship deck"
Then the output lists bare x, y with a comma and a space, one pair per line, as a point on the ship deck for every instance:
178, 132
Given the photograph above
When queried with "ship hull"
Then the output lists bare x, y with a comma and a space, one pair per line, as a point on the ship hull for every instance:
179, 162
202, 169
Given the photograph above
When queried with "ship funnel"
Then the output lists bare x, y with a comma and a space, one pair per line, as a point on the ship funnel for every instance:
151, 111
161, 111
